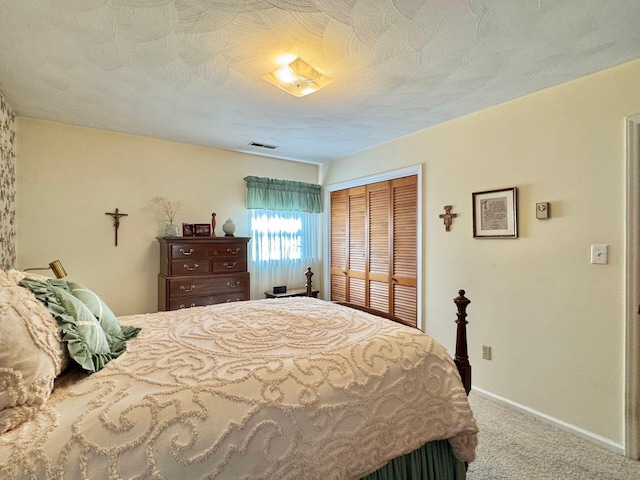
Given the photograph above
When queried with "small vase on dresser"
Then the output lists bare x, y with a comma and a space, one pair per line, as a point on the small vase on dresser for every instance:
171, 230
196, 271
229, 228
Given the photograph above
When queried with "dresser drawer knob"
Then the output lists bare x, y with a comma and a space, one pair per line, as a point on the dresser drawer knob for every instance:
184, 289
186, 253
233, 284
233, 252
230, 265
187, 267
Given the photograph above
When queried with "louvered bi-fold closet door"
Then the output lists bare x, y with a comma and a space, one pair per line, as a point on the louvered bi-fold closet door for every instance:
379, 246
374, 247
357, 246
405, 249
338, 225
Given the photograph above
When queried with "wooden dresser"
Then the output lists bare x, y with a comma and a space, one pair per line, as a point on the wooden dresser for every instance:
196, 271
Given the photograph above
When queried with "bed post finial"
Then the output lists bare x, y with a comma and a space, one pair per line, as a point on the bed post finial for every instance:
309, 274
461, 358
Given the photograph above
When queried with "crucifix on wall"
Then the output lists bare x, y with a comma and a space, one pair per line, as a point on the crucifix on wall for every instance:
448, 217
116, 220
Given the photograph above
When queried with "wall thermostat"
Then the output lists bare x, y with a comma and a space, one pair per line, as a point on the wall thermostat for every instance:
281, 289
542, 210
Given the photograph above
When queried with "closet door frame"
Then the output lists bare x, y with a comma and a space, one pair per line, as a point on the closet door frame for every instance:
380, 177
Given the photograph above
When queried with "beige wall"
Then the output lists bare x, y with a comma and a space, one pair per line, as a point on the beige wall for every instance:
68, 177
555, 322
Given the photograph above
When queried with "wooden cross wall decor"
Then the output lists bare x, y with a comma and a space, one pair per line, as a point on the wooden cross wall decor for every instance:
116, 220
448, 217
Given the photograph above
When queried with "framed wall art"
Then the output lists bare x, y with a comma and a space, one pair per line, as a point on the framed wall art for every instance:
495, 213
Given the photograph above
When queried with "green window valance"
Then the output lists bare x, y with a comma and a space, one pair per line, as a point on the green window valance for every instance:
283, 195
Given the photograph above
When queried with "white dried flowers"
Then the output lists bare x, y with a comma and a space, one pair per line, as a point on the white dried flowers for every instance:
166, 206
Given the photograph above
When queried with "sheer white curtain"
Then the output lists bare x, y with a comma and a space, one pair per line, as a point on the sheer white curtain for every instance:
282, 246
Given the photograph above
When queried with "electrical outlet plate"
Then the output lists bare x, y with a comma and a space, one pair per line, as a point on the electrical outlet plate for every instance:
486, 352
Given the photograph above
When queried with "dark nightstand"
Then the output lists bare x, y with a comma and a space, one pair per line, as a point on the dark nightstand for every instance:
294, 292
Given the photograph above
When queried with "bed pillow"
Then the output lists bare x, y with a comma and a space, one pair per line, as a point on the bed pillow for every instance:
81, 330
87, 343
30, 354
116, 334
16, 276
94, 303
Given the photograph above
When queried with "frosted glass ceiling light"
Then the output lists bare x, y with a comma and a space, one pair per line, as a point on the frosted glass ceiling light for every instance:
298, 78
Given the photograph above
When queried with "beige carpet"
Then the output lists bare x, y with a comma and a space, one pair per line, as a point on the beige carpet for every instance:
516, 446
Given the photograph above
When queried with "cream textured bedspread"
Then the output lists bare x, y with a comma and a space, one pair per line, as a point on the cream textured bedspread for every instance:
295, 388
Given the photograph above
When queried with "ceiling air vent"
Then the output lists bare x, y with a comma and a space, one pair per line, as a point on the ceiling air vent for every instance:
263, 145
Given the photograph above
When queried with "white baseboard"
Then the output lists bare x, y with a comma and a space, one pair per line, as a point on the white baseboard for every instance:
587, 435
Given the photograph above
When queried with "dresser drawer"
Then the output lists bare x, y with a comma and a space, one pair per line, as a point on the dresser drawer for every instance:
229, 250
192, 251
231, 264
190, 267
230, 297
231, 283
188, 287
189, 302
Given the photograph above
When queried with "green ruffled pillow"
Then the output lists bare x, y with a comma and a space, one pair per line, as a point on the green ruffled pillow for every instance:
92, 340
116, 334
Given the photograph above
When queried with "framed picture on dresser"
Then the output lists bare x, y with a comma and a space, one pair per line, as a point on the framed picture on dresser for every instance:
187, 229
201, 230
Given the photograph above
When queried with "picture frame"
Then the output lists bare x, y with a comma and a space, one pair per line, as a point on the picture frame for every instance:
187, 229
201, 230
495, 213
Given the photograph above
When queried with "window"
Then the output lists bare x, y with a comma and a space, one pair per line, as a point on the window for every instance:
281, 236
283, 244
284, 222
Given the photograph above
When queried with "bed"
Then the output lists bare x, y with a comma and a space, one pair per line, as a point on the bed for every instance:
293, 388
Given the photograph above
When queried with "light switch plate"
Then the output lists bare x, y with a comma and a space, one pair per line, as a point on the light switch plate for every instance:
599, 254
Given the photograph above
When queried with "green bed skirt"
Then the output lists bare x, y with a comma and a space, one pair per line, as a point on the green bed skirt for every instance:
433, 461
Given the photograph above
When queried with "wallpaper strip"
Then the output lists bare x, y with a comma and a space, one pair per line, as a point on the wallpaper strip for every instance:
7, 186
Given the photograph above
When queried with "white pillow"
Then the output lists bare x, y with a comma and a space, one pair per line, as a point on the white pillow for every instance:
31, 354
16, 275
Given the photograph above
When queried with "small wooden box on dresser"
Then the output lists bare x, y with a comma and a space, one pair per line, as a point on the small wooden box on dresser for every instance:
196, 271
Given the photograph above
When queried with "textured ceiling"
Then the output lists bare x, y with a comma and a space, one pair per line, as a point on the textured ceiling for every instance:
191, 70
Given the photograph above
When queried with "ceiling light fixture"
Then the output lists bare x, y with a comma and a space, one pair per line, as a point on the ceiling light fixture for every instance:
298, 78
